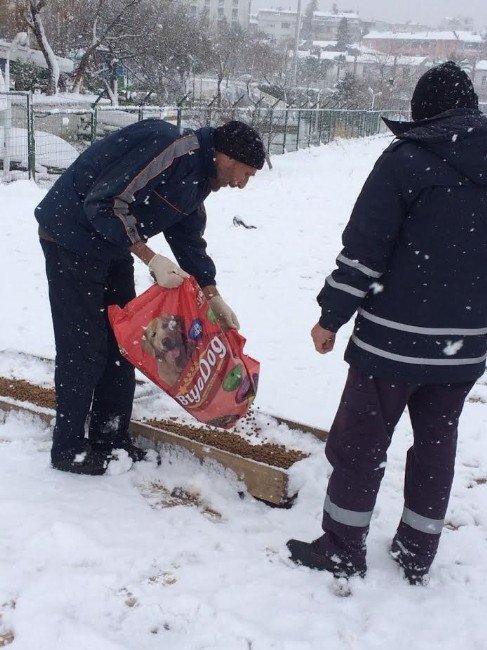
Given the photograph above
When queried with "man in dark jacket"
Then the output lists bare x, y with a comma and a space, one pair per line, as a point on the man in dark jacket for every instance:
413, 267
145, 179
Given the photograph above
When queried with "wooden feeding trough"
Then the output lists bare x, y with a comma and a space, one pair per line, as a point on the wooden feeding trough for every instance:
263, 467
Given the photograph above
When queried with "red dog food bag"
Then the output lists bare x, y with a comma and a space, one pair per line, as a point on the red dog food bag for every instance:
173, 337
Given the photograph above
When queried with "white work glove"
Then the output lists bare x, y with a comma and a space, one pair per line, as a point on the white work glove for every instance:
225, 315
166, 273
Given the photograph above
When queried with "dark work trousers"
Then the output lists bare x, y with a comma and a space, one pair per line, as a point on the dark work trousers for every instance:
357, 450
91, 376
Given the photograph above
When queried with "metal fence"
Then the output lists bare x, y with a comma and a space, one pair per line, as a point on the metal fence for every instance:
17, 148
41, 143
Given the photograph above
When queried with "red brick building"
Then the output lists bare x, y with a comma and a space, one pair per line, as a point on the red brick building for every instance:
436, 45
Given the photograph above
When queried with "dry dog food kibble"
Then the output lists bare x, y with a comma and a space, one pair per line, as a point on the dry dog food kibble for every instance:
270, 454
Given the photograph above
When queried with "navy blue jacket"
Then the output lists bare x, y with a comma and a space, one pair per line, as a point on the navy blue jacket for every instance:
142, 180
414, 262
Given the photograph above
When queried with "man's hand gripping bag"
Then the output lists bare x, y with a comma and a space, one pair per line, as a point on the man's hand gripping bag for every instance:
173, 337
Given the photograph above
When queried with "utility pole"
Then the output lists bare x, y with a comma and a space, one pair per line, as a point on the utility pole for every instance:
296, 44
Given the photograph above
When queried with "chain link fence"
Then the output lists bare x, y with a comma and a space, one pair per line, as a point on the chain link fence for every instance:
17, 147
41, 143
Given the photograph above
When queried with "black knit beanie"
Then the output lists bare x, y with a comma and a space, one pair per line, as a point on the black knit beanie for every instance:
442, 88
240, 142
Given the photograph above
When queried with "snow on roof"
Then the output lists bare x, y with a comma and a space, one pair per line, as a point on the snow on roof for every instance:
277, 11
25, 54
340, 15
393, 60
385, 59
331, 56
362, 49
466, 37
481, 65
318, 14
324, 43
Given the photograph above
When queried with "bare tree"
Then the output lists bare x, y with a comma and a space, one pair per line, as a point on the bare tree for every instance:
175, 47
12, 18
34, 20
110, 21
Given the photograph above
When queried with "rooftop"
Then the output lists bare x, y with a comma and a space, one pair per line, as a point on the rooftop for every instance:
25, 54
466, 37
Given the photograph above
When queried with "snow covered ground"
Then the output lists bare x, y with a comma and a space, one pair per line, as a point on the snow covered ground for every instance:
116, 563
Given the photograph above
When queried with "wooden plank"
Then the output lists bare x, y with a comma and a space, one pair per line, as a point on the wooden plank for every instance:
146, 389
46, 415
263, 481
321, 434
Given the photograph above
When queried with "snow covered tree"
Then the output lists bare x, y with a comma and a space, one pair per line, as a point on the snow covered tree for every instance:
351, 94
111, 21
34, 20
164, 59
307, 26
229, 44
343, 35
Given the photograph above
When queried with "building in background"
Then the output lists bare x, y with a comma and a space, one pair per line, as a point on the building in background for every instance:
235, 12
280, 24
437, 45
325, 25
368, 67
410, 27
479, 77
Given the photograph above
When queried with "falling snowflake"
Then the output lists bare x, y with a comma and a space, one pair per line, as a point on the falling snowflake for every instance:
452, 347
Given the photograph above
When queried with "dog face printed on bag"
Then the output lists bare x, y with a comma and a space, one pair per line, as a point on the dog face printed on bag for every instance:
165, 340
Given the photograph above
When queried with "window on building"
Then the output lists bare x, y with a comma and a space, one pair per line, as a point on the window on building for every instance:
484, 80
234, 13
285, 25
221, 13
235, 3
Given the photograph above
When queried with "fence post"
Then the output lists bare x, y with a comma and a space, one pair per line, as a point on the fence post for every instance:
270, 130
297, 134
286, 116
94, 124
31, 141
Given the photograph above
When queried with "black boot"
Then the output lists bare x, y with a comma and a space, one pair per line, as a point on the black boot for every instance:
413, 571
311, 555
137, 454
90, 462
